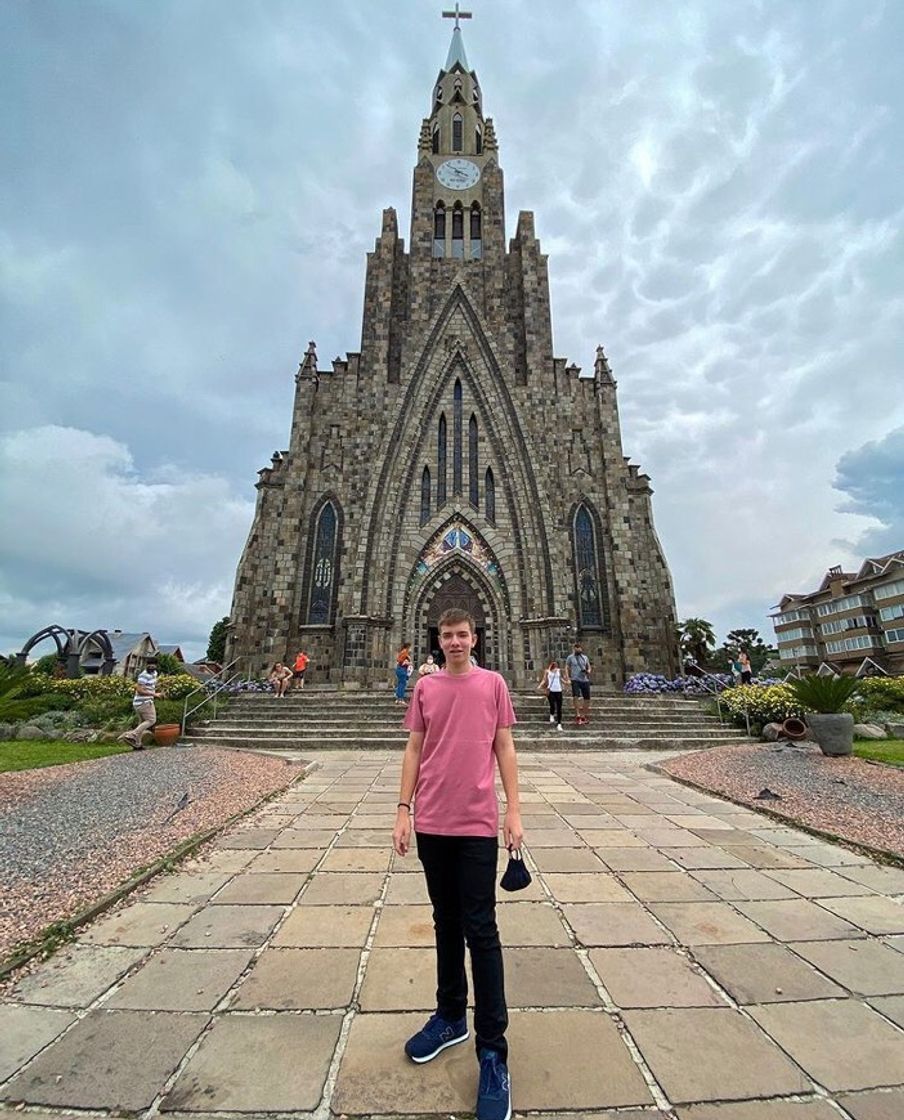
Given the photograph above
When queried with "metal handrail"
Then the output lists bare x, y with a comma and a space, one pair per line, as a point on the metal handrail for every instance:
715, 691
205, 687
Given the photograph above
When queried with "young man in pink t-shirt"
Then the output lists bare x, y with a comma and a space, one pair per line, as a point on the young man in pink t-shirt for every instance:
460, 724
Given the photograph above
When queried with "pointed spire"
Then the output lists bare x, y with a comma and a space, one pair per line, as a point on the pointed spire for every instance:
457, 46
457, 52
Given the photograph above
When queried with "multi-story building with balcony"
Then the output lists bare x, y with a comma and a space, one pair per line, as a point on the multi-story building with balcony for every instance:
852, 622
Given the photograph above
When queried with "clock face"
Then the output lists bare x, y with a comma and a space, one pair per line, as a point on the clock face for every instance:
458, 174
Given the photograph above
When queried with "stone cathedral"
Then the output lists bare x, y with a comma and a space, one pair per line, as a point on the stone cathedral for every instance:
453, 460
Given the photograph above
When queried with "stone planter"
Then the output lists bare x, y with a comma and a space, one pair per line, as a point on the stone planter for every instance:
833, 732
165, 734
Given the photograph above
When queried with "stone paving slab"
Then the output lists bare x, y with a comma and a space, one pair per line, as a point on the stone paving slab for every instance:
878, 1104
739, 1060
645, 977
110, 1059
140, 924
76, 976
654, 912
24, 1031
868, 968
813, 1109
766, 973
819, 1037
291, 1058
182, 980
892, 1007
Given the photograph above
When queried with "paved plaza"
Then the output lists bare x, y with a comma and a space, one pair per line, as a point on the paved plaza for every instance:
675, 956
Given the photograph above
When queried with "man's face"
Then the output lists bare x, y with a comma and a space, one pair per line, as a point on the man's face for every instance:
457, 641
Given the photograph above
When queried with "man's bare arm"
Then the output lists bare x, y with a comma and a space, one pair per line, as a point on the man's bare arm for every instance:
507, 761
411, 764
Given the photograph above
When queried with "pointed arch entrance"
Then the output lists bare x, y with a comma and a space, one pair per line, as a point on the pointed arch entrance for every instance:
458, 583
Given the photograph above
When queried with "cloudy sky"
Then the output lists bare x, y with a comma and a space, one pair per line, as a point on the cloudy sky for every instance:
188, 189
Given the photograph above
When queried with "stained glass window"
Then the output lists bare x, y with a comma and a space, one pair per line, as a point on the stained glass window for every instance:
441, 463
425, 496
324, 569
489, 496
590, 608
473, 480
456, 439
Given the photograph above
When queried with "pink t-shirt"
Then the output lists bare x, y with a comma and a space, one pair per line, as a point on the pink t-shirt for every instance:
460, 715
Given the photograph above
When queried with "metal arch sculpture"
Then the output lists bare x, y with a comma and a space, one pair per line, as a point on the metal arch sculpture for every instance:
101, 639
70, 645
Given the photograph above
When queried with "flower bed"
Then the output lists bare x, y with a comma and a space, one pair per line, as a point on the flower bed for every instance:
656, 684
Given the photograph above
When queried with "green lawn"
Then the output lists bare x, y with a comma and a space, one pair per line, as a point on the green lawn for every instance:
29, 754
881, 750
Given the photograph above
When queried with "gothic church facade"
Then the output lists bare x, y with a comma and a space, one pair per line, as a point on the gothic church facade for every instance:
454, 460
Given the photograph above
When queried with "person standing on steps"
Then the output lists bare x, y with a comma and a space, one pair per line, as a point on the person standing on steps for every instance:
552, 686
402, 671
460, 729
577, 666
299, 669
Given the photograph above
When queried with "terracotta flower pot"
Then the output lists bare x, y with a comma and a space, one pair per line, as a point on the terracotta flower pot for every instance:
794, 729
165, 734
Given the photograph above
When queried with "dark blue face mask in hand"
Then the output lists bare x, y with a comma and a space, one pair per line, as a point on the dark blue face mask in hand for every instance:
516, 876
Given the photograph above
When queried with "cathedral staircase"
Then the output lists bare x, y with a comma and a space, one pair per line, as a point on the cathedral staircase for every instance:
331, 719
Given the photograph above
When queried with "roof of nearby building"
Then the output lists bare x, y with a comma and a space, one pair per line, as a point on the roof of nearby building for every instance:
176, 651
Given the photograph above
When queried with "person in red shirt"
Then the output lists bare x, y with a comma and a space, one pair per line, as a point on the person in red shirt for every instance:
460, 729
300, 668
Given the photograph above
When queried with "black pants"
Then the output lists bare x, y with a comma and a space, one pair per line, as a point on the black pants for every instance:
461, 882
555, 705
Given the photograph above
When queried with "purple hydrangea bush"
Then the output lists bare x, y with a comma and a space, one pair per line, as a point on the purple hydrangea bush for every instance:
650, 684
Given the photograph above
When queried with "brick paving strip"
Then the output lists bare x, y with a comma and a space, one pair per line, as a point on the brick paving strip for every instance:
71, 834
676, 956
850, 798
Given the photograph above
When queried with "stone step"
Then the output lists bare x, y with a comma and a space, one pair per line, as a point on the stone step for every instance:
611, 725
217, 732
563, 740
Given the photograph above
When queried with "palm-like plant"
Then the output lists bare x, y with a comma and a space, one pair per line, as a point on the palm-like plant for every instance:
697, 638
824, 694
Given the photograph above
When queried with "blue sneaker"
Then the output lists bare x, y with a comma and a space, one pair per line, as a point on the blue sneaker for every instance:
434, 1036
494, 1094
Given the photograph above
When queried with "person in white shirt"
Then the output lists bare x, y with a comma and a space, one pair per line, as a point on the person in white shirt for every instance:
552, 686
143, 705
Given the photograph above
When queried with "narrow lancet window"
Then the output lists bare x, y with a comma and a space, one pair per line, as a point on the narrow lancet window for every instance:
476, 238
441, 463
323, 572
439, 230
473, 479
436, 140
489, 496
456, 439
478, 141
589, 602
458, 231
425, 496
457, 136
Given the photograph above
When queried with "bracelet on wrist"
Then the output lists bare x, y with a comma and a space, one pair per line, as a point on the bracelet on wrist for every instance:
404, 805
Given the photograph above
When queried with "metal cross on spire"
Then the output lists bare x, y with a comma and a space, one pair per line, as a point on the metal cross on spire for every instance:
457, 15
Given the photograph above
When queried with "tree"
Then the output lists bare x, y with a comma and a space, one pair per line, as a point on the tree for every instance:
216, 645
696, 638
169, 665
748, 638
